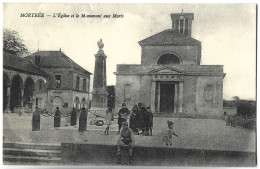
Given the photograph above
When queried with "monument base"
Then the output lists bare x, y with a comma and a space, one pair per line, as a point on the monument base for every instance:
100, 111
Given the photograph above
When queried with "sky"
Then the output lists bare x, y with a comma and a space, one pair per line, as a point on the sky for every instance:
227, 33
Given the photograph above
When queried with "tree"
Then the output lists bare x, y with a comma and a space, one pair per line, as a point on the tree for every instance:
244, 107
12, 43
236, 98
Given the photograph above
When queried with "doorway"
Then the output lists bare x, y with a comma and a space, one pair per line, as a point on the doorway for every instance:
16, 95
167, 91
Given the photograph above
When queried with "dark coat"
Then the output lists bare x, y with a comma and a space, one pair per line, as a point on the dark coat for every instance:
57, 117
139, 119
83, 120
149, 123
36, 120
73, 117
132, 123
122, 112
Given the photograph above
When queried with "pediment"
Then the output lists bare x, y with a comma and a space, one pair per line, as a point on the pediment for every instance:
167, 70
169, 37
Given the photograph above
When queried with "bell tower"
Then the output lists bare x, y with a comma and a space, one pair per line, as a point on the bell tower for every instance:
182, 22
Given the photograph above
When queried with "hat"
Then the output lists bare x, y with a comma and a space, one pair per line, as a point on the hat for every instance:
124, 123
169, 123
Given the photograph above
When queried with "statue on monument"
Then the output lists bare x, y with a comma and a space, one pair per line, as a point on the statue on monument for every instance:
100, 44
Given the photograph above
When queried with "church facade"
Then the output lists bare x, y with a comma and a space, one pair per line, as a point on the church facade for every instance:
170, 78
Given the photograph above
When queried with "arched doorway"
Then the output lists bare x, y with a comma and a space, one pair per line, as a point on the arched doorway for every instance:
6, 82
16, 93
168, 59
76, 103
28, 92
83, 102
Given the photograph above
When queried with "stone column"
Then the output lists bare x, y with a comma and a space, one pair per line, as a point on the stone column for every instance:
153, 85
180, 96
175, 97
159, 96
22, 97
7, 110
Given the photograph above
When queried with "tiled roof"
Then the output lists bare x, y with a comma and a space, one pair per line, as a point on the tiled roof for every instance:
169, 37
11, 61
56, 59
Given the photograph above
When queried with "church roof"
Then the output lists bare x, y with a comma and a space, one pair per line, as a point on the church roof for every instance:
169, 37
17, 63
56, 59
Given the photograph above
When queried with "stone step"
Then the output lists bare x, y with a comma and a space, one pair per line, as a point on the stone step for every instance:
24, 159
32, 152
32, 146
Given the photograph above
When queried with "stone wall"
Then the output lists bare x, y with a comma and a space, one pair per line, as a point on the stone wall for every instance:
230, 110
66, 77
64, 99
103, 154
187, 54
209, 95
189, 94
128, 90
74, 81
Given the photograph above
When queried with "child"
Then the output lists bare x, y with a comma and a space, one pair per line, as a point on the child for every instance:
168, 138
108, 119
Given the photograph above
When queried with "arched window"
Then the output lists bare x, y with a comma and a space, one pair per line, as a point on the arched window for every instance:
168, 59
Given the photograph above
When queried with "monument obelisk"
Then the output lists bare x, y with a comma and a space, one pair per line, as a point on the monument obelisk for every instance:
99, 94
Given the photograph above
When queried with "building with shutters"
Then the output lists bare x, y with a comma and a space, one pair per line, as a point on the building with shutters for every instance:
48, 79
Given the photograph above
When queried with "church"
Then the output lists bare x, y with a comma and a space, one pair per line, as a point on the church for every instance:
170, 78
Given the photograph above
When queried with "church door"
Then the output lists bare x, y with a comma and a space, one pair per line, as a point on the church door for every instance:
167, 97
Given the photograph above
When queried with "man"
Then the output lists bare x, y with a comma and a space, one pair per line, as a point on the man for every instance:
122, 116
126, 137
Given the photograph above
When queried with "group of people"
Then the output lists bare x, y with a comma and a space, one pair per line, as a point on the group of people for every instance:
140, 119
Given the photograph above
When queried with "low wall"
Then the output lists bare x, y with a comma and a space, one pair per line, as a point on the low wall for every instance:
230, 110
97, 154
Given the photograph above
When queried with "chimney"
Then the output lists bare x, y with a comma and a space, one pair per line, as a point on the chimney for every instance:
182, 22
